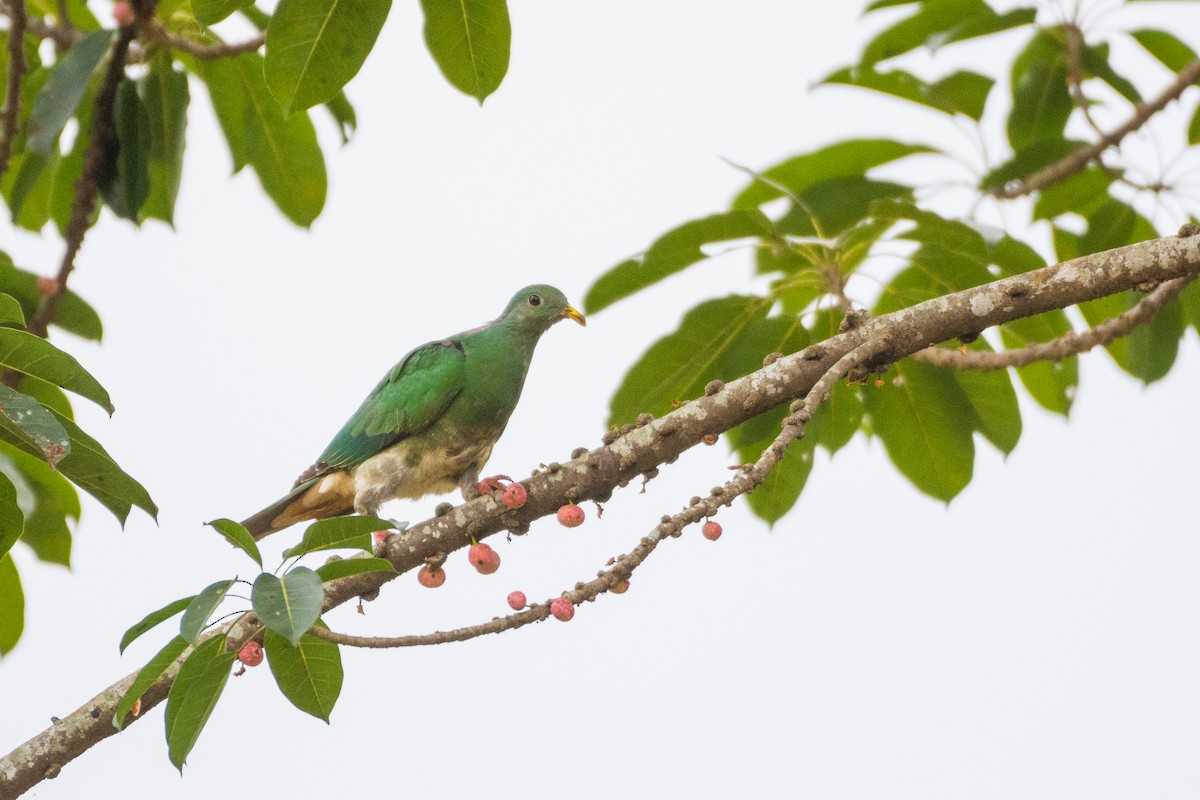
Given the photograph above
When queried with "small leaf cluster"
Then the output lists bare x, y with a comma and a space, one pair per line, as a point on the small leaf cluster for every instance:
814, 220
307, 670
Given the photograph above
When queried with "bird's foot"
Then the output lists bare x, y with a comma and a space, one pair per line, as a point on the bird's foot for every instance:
491, 484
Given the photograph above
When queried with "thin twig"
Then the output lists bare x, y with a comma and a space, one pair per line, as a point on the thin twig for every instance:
10, 117
1075, 73
87, 187
1067, 345
1078, 159
155, 32
744, 481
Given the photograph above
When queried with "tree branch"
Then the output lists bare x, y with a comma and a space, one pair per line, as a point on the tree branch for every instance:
10, 117
1069, 344
155, 32
83, 202
595, 474
1079, 159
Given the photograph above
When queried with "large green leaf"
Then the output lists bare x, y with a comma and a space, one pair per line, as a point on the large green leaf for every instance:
124, 177
1027, 160
210, 12
846, 159
165, 97
1082, 194
12, 600
1041, 100
29, 186
677, 367
288, 606
338, 532
91, 468
672, 252
67, 83
25, 418
12, 521
283, 151
960, 93
194, 694
200, 608
314, 47
470, 41
236, 534
32, 355
46, 530
153, 619
992, 397
925, 422
309, 673
939, 23
11, 312
147, 676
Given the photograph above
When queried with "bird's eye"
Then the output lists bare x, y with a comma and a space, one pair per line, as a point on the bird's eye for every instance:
535, 300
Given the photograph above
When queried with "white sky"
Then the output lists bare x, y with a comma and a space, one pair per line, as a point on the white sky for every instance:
1038, 638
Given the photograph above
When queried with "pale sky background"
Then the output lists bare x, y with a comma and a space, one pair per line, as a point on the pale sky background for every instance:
1040, 637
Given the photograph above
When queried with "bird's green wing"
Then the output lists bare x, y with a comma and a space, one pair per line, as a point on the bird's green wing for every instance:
412, 397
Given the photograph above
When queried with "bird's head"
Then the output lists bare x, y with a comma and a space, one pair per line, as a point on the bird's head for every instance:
538, 307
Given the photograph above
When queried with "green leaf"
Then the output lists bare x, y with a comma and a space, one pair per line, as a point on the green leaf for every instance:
124, 177
1041, 100
201, 607
236, 534
835, 206
924, 421
74, 314
78, 14
32, 355
165, 97
67, 83
1193, 131
289, 606
338, 532
345, 567
936, 24
12, 521
11, 312
223, 79
155, 618
12, 600
1051, 384
991, 395
30, 465
29, 185
210, 12
676, 367
847, 159
147, 676
470, 42
1027, 161
982, 24
1189, 301
672, 252
961, 93
92, 469
284, 152
24, 418
194, 694
314, 47
309, 673
1094, 60
1081, 193
1168, 48
46, 530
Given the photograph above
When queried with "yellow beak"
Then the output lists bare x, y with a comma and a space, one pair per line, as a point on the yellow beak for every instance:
571, 313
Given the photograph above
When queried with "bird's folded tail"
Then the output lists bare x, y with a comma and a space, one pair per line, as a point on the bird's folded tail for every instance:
320, 497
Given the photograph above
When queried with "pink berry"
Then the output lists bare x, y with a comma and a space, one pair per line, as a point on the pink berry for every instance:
484, 559
431, 578
380, 536
620, 587
251, 654
562, 609
123, 14
711, 530
570, 515
514, 495
516, 600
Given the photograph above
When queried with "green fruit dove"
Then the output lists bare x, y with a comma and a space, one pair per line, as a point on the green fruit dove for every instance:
430, 424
